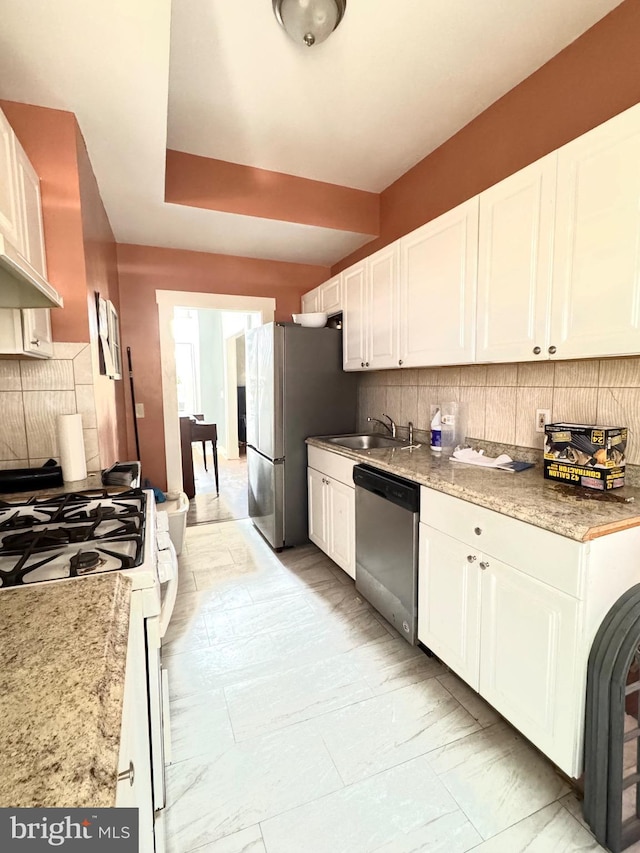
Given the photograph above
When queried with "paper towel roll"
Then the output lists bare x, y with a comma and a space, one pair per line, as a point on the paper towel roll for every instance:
71, 447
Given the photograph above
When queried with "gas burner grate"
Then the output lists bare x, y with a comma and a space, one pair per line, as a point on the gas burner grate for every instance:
22, 568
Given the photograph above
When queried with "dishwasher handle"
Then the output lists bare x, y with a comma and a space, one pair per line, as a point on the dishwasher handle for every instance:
401, 492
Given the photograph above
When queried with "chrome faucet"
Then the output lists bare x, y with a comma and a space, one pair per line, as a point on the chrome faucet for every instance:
391, 426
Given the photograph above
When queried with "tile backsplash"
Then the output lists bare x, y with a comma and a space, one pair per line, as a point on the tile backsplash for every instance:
33, 392
502, 398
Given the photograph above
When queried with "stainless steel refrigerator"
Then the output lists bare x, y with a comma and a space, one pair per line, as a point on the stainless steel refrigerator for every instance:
295, 388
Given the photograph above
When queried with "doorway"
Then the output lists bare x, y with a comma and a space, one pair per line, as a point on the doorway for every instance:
202, 353
209, 354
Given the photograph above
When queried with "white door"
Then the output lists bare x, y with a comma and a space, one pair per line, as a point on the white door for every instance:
596, 285
449, 602
31, 212
383, 297
528, 663
331, 295
316, 487
10, 225
36, 332
355, 318
341, 515
438, 289
515, 256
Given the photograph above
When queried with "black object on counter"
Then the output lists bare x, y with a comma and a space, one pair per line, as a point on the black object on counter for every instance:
49, 476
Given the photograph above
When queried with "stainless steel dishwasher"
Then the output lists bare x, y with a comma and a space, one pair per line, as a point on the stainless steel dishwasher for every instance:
387, 517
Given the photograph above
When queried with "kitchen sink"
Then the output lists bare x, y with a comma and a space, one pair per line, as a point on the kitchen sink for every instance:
365, 441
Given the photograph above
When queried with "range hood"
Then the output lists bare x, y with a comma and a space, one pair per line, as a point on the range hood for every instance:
20, 285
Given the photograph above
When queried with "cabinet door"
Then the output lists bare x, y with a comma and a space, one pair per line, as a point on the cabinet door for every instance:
528, 664
331, 295
310, 302
341, 516
514, 265
355, 319
31, 212
10, 225
596, 285
383, 298
36, 332
438, 289
317, 509
134, 762
449, 602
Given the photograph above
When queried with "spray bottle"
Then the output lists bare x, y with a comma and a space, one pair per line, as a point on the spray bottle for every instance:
436, 430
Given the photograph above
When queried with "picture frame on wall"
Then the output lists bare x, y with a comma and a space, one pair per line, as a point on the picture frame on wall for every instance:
109, 338
114, 341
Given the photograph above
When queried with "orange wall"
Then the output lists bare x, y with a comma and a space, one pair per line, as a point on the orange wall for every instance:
218, 185
143, 270
590, 81
101, 276
49, 140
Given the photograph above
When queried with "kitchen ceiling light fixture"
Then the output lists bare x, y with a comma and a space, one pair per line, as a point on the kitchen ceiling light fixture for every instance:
309, 21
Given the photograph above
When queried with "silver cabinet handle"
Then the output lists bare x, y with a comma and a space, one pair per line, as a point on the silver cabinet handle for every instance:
537, 350
362, 364
400, 362
471, 558
36, 342
366, 364
477, 531
129, 774
484, 566
552, 350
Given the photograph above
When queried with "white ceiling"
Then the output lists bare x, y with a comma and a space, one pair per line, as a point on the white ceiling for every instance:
220, 78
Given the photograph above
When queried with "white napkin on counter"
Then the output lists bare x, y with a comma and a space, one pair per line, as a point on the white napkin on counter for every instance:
477, 457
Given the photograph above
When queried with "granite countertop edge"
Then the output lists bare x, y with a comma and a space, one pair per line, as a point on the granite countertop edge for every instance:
525, 496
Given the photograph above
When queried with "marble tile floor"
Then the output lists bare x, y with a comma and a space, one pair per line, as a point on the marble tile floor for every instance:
302, 723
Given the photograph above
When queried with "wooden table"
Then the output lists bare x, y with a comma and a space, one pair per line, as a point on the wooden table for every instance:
196, 430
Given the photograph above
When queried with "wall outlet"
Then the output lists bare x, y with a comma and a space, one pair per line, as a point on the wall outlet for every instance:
139, 410
543, 417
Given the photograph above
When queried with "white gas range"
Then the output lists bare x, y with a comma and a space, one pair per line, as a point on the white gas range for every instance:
81, 534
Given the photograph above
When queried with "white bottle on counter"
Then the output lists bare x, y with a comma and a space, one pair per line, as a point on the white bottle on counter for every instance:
436, 430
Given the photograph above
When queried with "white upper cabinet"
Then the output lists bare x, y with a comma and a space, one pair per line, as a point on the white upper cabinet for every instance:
32, 229
371, 312
596, 287
326, 297
438, 289
10, 220
383, 297
330, 295
354, 335
310, 301
515, 255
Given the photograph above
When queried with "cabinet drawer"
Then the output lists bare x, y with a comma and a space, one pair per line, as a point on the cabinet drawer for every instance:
332, 464
550, 558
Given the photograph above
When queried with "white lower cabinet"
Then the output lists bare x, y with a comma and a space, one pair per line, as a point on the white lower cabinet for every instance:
134, 763
449, 602
332, 507
528, 642
509, 636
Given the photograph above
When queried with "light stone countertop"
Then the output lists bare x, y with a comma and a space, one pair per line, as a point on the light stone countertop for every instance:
64, 650
577, 513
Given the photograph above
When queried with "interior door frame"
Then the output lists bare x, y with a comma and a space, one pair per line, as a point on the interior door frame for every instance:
167, 300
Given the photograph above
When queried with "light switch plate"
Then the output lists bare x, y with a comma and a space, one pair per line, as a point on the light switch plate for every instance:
139, 410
